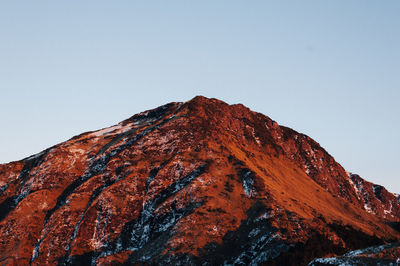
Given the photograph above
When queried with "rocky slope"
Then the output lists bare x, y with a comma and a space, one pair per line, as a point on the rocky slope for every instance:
201, 182
388, 254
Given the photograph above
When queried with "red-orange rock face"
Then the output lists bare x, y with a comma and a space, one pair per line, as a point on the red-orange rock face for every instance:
200, 182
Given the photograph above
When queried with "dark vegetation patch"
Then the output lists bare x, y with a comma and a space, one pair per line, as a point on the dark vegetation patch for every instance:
8, 205
355, 239
217, 210
246, 176
378, 191
154, 172
319, 245
302, 253
395, 226
228, 186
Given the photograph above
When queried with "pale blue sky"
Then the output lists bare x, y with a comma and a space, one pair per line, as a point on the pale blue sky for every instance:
329, 69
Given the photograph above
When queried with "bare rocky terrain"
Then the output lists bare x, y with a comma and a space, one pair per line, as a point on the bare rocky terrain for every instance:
194, 183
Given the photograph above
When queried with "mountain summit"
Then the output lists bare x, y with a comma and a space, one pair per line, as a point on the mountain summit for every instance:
200, 182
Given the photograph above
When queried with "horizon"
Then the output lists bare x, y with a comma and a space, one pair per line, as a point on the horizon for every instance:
328, 70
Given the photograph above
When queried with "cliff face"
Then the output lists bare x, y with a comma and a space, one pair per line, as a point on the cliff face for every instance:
195, 182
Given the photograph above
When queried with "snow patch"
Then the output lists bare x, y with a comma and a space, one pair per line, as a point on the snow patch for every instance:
253, 132
354, 185
105, 131
386, 212
256, 138
264, 216
326, 260
368, 208
117, 129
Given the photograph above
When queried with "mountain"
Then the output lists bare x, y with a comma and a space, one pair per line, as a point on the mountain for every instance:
200, 182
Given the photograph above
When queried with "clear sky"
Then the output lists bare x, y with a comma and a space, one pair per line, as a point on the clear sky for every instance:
329, 69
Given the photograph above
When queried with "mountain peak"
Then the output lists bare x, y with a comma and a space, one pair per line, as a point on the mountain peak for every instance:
202, 100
